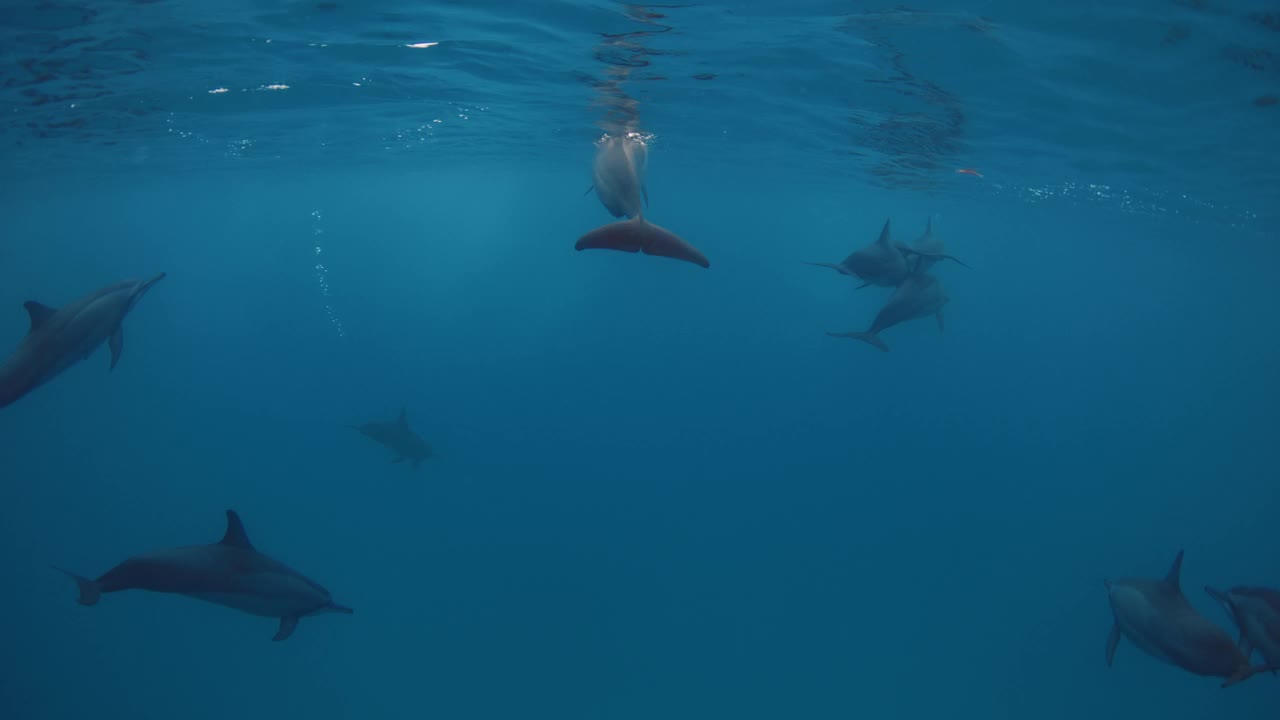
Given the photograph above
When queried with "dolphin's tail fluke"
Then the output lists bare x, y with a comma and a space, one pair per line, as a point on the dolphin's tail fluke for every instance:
90, 591
867, 337
637, 235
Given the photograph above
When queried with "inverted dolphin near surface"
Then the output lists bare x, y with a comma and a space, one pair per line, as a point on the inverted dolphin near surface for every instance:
399, 438
61, 337
1156, 616
919, 295
229, 573
1256, 612
618, 177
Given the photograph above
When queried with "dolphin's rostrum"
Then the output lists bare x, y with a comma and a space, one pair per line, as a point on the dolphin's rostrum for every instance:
61, 337
229, 572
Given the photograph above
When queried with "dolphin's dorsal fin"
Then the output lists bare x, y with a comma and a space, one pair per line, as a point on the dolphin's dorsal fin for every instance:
39, 313
884, 236
235, 536
403, 420
1174, 578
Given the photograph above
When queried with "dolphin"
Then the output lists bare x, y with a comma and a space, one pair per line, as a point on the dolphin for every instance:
397, 436
1156, 616
930, 250
618, 179
61, 337
1256, 612
883, 262
229, 572
919, 295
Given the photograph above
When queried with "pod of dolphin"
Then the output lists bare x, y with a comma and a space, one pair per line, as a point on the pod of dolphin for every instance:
1152, 614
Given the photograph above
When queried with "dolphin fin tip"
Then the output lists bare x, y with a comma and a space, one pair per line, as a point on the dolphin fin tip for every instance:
90, 592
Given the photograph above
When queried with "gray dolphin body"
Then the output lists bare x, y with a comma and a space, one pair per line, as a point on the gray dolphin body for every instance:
399, 438
883, 262
618, 177
919, 295
930, 250
61, 337
1256, 612
229, 573
1156, 616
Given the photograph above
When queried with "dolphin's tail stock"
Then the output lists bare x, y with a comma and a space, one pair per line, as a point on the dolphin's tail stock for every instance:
638, 234
867, 337
90, 591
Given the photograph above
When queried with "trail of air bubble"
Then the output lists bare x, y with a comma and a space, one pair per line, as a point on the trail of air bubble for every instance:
322, 273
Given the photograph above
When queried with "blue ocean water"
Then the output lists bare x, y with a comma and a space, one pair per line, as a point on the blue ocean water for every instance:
657, 490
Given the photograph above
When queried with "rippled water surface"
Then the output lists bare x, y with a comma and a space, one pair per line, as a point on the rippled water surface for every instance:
1158, 106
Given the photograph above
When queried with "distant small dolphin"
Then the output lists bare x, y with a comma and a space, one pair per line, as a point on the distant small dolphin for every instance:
930, 250
883, 262
1256, 611
919, 295
1155, 616
397, 436
61, 337
229, 573
618, 176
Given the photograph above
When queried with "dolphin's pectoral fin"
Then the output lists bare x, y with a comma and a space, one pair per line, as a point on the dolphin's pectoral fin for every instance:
941, 323
863, 285
1247, 671
235, 536
1113, 641
288, 624
117, 345
39, 313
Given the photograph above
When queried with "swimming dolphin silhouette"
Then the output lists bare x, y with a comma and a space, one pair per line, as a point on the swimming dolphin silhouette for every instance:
929, 250
61, 337
883, 262
618, 177
230, 573
1156, 616
396, 435
919, 295
1256, 612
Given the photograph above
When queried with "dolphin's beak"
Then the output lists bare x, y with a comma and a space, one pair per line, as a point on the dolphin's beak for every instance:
147, 285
